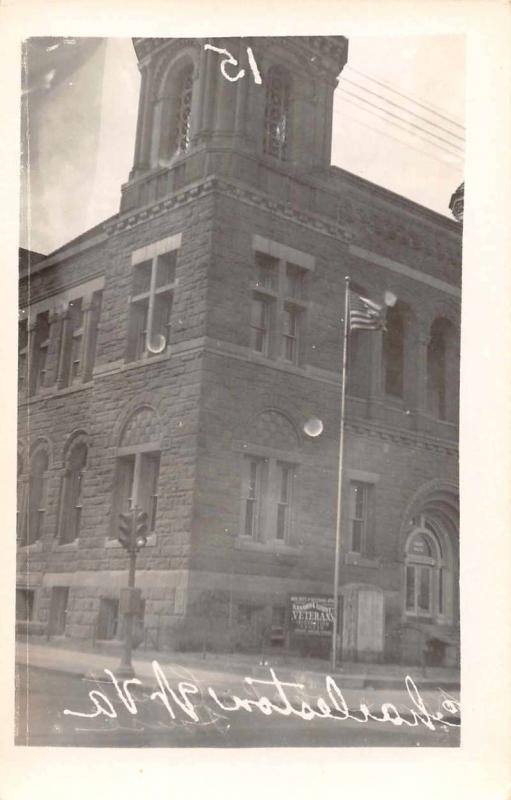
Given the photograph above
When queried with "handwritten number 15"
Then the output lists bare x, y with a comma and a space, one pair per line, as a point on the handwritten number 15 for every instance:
231, 60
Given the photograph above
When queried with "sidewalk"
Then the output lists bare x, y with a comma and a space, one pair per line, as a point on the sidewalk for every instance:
361, 683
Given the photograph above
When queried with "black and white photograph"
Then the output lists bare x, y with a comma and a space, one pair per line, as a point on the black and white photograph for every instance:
238, 505
254, 417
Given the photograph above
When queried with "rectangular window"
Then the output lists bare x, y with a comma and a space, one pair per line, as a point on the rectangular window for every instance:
278, 616
410, 588
267, 271
58, 610
252, 497
267, 499
92, 335
148, 486
424, 589
136, 485
108, 618
22, 355
78, 339
418, 589
25, 604
285, 474
358, 515
278, 307
290, 333
76, 323
153, 287
440, 591
295, 281
260, 325
42, 339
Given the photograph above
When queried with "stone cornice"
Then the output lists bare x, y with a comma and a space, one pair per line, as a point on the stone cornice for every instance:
233, 189
374, 430
327, 48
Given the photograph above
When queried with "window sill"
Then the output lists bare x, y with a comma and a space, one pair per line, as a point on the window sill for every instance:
114, 544
273, 546
276, 363
35, 547
63, 546
358, 560
45, 394
146, 362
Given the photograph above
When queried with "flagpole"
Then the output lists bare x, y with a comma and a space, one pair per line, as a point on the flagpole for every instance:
339, 475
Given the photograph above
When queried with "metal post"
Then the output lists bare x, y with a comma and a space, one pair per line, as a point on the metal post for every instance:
125, 669
339, 477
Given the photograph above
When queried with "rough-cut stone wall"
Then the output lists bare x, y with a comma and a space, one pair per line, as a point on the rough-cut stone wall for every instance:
207, 392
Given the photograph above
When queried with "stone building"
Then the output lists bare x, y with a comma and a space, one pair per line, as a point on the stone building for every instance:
170, 357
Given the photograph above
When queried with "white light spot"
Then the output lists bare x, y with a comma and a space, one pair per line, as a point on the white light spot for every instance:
313, 427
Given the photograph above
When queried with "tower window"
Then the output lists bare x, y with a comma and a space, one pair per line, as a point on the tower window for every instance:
184, 109
276, 123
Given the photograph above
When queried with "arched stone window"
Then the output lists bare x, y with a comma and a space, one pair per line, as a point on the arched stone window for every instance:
137, 468
428, 572
32, 527
394, 351
172, 114
71, 493
441, 368
183, 109
277, 113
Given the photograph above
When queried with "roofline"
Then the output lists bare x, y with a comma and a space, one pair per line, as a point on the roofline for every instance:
397, 199
82, 236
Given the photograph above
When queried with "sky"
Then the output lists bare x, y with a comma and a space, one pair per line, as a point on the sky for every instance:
398, 122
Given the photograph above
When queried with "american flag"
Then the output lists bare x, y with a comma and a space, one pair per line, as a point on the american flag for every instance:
364, 315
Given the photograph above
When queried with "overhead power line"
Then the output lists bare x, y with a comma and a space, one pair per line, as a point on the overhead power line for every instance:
453, 148
452, 152
401, 106
388, 135
420, 103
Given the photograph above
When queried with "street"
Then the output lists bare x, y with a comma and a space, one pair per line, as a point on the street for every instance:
43, 695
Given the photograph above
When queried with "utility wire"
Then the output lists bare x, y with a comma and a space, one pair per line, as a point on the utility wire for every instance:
407, 97
449, 151
400, 106
454, 147
401, 141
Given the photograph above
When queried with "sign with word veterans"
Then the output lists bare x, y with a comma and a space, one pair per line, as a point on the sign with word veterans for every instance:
311, 614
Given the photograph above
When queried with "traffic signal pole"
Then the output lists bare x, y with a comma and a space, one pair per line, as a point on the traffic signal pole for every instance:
126, 667
132, 536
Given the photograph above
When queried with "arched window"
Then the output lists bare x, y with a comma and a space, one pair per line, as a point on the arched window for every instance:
183, 100
394, 351
34, 520
71, 494
437, 368
172, 115
138, 468
277, 113
427, 573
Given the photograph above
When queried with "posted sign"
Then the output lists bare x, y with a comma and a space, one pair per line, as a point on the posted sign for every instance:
311, 614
